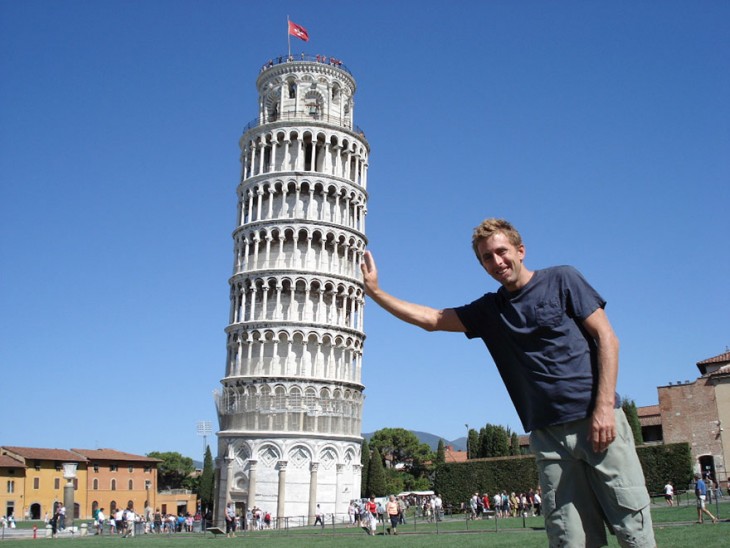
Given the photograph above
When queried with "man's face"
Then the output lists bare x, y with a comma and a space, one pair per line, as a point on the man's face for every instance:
502, 260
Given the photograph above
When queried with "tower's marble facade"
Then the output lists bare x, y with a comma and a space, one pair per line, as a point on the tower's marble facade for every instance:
290, 405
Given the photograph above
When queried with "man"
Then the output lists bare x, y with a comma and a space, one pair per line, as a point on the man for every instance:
669, 493
701, 494
130, 517
438, 507
100, 517
558, 356
230, 520
119, 520
54, 521
473, 506
537, 502
319, 517
62, 518
402, 507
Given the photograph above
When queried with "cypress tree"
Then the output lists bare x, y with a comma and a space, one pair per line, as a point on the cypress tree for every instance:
483, 447
376, 476
514, 446
440, 453
473, 443
365, 461
207, 480
501, 445
632, 415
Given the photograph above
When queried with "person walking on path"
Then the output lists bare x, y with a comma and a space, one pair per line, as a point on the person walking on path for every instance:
393, 511
371, 511
319, 517
669, 493
701, 494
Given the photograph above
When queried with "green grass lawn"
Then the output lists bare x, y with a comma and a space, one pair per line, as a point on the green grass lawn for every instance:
674, 527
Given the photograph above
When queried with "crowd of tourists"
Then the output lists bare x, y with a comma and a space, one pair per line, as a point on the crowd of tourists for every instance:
7, 521
127, 523
256, 519
503, 505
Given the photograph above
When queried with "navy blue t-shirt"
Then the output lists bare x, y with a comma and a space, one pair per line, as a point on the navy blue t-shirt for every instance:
546, 359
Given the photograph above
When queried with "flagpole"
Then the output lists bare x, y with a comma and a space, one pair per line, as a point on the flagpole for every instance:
288, 36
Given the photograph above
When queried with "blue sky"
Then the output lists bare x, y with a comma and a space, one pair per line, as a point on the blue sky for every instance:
601, 129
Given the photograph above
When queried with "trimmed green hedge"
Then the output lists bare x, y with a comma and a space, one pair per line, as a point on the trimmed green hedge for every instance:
457, 482
662, 463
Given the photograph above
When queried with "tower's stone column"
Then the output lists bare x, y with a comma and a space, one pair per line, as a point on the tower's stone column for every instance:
314, 467
280, 506
251, 499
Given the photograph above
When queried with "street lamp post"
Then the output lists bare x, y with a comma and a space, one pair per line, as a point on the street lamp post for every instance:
467, 441
205, 429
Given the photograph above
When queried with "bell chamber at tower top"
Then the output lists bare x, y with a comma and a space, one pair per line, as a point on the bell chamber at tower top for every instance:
305, 121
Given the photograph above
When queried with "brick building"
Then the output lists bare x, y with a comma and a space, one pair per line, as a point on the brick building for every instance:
117, 479
695, 412
453, 455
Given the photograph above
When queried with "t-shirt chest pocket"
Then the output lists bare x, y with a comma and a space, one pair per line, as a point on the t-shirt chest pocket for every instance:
548, 313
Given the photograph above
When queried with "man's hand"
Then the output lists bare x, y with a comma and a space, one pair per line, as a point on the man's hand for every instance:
603, 428
369, 273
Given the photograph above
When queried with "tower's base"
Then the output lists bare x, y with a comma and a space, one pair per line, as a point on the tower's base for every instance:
288, 477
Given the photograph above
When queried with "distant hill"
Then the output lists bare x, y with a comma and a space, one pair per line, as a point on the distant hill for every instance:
432, 440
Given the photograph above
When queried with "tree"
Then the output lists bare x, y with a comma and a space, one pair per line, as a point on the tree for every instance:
400, 446
207, 481
376, 476
472, 441
495, 441
632, 415
514, 444
174, 472
486, 440
365, 472
440, 453
501, 441
395, 481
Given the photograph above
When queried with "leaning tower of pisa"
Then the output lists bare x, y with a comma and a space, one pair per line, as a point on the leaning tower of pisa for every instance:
290, 404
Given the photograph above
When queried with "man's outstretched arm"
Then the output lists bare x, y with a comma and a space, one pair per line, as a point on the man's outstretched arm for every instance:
425, 317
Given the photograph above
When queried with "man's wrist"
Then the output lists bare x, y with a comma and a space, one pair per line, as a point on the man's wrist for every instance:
603, 406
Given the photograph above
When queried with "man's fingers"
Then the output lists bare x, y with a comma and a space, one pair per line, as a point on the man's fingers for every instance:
602, 438
368, 262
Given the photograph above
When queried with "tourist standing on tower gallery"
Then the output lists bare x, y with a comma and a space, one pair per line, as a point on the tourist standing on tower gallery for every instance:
556, 351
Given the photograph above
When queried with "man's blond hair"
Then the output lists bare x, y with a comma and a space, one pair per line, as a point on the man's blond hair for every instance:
490, 227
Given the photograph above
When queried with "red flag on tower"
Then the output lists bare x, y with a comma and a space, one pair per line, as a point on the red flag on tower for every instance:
298, 31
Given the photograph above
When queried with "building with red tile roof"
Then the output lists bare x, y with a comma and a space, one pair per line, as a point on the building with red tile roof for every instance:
34, 482
695, 412
452, 455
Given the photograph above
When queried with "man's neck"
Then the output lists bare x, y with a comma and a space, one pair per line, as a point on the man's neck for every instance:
522, 281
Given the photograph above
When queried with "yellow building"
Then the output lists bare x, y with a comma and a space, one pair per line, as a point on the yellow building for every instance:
12, 486
32, 483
